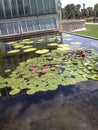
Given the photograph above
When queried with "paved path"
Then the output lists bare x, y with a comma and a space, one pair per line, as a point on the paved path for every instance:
92, 23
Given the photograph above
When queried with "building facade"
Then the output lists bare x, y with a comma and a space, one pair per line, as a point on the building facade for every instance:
27, 16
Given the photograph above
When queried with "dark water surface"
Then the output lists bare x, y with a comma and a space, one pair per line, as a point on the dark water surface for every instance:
73, 107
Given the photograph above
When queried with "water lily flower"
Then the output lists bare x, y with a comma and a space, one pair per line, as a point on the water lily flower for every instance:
33, 71
79, 52
45, 64
83, 55
42, 72
34, 65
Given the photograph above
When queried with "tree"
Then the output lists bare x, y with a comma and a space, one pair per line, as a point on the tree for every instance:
91, 12
70, 9
96, 9
78, 6
64, 13
77, 11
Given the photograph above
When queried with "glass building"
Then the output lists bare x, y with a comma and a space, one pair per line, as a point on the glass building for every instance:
27, 16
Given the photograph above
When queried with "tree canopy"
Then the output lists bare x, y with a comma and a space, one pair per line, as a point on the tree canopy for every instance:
72, 11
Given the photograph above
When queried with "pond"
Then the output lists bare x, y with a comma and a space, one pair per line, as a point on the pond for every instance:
49, 83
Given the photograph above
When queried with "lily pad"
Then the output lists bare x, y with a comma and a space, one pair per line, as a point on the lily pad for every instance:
14, 91
63, 48
30, 91
42, 51
7, 70
76, 43
18, 46
63, 45
95, 77
67, 39
13, 51
53, 44
24, 47
29, 49
10, 43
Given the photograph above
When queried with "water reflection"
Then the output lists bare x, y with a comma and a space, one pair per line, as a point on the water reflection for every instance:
86, 42
68, 108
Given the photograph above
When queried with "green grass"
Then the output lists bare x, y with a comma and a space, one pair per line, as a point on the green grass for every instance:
91, 30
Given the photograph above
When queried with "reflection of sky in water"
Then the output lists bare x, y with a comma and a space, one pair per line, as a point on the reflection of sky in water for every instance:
67, 108
86, 42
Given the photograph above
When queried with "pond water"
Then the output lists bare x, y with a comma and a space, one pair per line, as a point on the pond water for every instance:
73, 106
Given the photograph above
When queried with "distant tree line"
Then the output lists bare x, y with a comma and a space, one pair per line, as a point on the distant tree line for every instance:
72, 11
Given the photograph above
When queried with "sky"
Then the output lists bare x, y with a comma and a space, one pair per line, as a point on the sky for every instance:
88, 3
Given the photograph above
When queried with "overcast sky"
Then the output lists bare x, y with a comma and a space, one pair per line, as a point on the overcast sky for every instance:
88, 3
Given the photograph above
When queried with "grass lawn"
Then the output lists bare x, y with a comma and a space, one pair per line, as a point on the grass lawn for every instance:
91, 30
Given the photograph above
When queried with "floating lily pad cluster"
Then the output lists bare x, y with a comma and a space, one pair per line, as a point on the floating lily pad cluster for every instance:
26, 45
50, 70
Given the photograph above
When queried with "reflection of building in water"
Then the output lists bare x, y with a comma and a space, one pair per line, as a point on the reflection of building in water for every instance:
28, 16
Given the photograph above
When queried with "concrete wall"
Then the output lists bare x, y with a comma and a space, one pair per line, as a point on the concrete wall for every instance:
71, 25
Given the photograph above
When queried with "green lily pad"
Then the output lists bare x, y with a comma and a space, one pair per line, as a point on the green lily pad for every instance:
76, 43
42, 51
30, 91
14, 91
95, 77
67, 39
7, 70
52, 44
64, 48
63, 45
13, 51
30, 50
18, 46
24, 47
10, 43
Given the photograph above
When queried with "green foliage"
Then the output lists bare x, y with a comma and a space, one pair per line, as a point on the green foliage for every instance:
96, 9
72, 11
91, 12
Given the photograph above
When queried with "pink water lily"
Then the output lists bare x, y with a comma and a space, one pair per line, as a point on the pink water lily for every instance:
83, 55
42, 72
34, 65
33, 71
45, 64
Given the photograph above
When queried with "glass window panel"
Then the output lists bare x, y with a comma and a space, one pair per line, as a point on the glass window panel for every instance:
46, 6
52, 6
20, 7
27, 7
3, 29
14, 8
10, 28
7, 8
48, 23
36, 24
40, 6
29, 25
1, 10
33, 7
53, 22
16, 27
23, 25
42, 23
